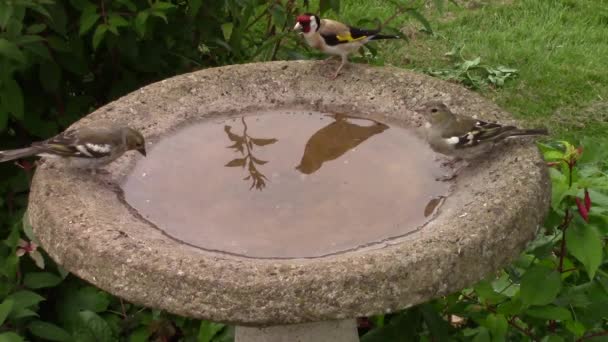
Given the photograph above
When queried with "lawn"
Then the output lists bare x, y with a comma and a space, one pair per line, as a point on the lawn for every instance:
559, 47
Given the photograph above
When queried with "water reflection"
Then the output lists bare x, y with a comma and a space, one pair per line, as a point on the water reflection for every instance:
335, 139
245, 144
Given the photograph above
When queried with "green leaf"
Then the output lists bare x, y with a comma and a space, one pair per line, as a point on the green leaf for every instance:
24, 299
6, 12
278, 15
100, 32
194, 6
583, 241
483, 335
12, 98
436, 324
38, 258
88, 18
38, 280
326, 5
50, 76
540, 285
497, 325
552, 338
117, 21
48, 331
208, 330
10, 337
5, 308
162, 6
140, 22
36, 28
10, 50
93, 325
227, 30
550, 312
421, 18
141, 334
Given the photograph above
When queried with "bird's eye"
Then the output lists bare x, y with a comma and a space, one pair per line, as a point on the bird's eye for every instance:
434, 110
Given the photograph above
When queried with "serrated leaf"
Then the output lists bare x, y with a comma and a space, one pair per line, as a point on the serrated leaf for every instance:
10, 50
550, 312
24, 299
50, 76
208, 330
236, 162
10, 337
88, 18
5, 308
140, 22
585, 244
12, 98
48, 331
540, 285
38, 280
100, 32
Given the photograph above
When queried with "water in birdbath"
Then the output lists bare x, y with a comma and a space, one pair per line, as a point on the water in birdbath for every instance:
287, 184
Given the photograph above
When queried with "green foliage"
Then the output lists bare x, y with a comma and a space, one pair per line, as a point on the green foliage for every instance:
471, 72
557, 290
61, 59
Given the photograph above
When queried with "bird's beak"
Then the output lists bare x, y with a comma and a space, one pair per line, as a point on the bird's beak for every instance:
298, 27
142, 150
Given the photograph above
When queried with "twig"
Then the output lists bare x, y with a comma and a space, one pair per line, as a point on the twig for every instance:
590, 336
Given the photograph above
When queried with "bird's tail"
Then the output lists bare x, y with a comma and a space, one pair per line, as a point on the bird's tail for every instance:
532, 131
384, 36
18, 153
520, 132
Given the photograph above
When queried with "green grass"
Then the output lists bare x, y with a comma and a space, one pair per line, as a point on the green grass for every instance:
560, 48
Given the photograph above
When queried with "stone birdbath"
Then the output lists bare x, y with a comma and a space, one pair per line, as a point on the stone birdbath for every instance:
287, 204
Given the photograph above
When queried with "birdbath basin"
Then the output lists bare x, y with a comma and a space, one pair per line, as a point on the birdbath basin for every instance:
287, 204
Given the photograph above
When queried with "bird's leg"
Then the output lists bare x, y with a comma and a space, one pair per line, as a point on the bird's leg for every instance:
344, 60
326, 60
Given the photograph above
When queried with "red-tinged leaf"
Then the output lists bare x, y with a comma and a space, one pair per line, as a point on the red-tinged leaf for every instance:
263, 142
236, 162
582, 210
587, 200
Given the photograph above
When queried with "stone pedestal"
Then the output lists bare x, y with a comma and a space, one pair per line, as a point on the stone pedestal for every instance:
328, 331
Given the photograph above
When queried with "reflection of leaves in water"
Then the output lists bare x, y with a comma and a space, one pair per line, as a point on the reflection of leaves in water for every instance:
244, 144
335, 139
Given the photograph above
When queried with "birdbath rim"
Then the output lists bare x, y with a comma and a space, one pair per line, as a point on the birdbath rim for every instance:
495, 208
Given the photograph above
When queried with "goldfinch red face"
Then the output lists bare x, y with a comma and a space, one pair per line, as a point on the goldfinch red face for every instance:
307, 23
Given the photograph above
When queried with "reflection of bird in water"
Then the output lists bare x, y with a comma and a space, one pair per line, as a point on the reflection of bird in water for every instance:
333, 140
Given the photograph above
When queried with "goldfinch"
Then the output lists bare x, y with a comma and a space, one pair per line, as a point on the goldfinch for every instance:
85, 148
464, 137
334, 38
